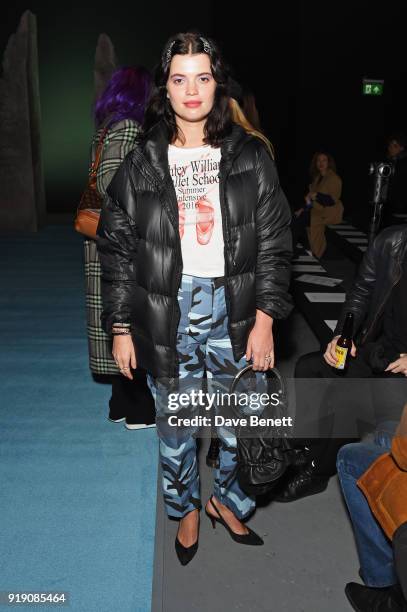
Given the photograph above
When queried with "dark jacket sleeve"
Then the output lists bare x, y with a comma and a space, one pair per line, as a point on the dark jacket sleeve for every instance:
358, 297
117, 248
274, 243
324, 199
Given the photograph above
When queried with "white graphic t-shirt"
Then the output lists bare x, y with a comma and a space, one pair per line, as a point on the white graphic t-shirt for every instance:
195, 174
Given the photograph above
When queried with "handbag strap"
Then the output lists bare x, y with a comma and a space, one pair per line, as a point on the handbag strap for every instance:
98, 154
273, 371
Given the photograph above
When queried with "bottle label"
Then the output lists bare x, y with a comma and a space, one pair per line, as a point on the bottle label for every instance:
341, 354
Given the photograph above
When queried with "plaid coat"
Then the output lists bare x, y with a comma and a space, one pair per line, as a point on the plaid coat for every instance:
119, 140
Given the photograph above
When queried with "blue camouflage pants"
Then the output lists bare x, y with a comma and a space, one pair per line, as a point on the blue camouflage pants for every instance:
203, 342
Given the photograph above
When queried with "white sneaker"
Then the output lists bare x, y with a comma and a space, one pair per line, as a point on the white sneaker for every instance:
138, 425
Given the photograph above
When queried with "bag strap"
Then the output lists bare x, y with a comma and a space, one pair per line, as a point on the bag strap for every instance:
272, 371
98, 155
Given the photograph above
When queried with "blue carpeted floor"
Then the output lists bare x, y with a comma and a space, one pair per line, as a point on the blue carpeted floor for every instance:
78, 493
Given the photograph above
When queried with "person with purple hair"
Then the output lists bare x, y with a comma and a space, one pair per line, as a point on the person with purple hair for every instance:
118, 114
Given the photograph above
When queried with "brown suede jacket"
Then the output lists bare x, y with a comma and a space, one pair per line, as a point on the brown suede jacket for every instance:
384, 484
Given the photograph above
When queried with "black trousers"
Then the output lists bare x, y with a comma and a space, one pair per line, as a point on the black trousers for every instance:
299, 227
337, 410
133, 397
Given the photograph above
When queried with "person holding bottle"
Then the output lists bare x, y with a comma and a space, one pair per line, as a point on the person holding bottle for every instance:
378, 302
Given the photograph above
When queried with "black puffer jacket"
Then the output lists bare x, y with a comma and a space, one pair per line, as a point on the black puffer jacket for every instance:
140, 248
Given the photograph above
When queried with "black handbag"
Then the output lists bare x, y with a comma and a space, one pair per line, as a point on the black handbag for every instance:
265, 453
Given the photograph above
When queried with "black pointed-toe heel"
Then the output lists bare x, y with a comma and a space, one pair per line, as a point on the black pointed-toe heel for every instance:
186, 553
251, 538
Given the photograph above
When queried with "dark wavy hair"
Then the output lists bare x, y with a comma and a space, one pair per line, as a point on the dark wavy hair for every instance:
313, 170
125, 96
219, 121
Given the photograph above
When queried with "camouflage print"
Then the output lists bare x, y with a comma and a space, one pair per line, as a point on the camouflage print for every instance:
203, 343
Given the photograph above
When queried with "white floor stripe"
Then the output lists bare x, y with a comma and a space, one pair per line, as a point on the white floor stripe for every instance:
304, 258
341, 227
357, 240
326, 281
325, 297
308, 268
331, 323
350, 233
362, 248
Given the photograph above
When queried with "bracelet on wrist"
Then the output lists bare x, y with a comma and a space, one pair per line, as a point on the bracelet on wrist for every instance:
121, 329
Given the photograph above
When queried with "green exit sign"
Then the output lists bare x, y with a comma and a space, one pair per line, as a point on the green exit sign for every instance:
373, 87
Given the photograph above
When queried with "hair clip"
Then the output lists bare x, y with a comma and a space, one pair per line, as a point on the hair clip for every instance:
167, 55
207, 47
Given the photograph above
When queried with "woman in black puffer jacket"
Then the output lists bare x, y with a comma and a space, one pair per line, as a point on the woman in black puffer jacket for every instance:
195, 248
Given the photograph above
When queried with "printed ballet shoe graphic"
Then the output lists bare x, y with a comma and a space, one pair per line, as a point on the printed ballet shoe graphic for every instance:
205, 221
181, 215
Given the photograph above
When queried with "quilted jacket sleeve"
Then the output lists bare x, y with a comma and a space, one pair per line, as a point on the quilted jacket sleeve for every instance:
274, 243
117, 248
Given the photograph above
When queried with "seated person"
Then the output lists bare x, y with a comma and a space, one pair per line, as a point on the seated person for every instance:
379, 517
322, 204
378, 301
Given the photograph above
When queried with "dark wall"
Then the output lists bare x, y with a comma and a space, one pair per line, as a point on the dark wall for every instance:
304, 61
67, 36
352, 41
263, 49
